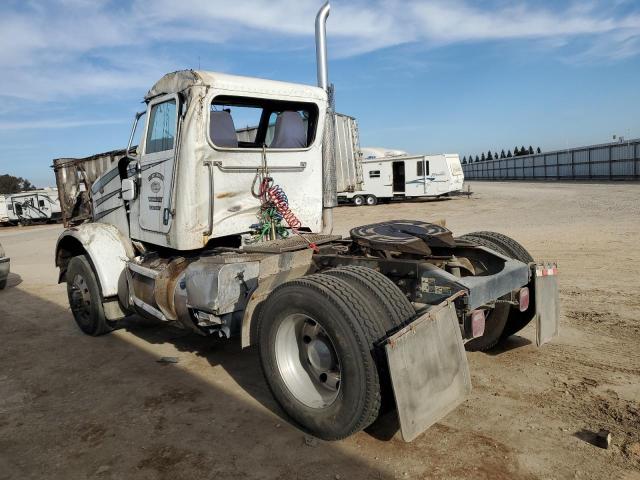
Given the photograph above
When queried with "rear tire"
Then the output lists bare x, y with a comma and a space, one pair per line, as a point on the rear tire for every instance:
358, 200
85, 299
313, 332
493, 327
390, 308
382, 294
371, 200
496, 319
516, 320
512, 248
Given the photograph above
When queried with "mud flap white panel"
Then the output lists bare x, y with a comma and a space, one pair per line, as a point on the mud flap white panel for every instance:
547, 303
429, 369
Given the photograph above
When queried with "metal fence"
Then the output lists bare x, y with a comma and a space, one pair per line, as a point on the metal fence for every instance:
610, 161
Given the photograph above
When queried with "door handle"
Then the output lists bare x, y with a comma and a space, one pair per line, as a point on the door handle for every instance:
165, 216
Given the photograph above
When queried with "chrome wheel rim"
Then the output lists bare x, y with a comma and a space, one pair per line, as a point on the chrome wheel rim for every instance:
80, 300
307, 361
370, 201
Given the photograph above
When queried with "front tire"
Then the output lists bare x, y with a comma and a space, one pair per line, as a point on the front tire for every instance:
316, 350
85, 299
358, 200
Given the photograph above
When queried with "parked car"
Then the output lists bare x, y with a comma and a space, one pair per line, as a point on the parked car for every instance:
4, 268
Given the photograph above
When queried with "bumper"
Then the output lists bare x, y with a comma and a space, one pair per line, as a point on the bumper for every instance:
482, 290
427, 360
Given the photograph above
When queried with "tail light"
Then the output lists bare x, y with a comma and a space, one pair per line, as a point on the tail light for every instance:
523, 299
477, 323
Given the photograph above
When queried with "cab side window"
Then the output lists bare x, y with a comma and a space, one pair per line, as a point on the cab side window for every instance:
162, 127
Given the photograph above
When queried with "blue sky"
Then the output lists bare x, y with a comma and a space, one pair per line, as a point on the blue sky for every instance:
424, 76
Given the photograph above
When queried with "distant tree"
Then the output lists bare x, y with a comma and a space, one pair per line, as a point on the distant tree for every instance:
477, 159
483, 158
530, 150
489, 155
516, 152
509, 155
11, 184
523, 151
502, 155
538, 151
464, 160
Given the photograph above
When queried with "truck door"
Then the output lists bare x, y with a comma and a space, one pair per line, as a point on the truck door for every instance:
157, 164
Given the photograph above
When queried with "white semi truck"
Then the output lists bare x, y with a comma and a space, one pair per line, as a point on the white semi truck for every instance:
232, 236
395, 174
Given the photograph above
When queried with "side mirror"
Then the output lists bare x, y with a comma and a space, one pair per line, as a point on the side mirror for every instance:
128, 189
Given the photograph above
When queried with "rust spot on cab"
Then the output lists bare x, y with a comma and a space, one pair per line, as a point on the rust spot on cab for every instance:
226, 194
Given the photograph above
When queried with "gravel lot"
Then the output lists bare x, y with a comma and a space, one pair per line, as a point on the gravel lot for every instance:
72, 406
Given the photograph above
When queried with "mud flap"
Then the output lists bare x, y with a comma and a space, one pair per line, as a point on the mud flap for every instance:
547, 302
429, 369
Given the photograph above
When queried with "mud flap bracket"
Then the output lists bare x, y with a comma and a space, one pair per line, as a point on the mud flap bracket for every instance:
547, 302
428, 368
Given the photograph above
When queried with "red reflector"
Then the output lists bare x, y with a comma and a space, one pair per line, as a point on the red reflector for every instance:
523, 299
477, 323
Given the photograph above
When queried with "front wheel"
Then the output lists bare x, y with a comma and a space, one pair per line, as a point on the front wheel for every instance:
316, 349
85, 299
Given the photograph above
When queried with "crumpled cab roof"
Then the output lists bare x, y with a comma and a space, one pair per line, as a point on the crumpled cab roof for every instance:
184, 79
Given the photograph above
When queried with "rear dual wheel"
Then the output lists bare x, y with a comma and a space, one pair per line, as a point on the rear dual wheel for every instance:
505, 319
317, 337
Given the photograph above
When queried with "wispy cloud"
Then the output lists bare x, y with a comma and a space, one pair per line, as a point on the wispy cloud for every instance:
70, 48
55, 123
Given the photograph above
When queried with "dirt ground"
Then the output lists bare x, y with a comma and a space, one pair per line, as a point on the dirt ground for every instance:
75, 407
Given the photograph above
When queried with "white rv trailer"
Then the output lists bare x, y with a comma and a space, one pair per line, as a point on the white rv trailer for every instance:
36, 206
4, 214
390, 174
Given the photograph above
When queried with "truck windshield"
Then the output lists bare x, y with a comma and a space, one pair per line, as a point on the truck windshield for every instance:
243, 122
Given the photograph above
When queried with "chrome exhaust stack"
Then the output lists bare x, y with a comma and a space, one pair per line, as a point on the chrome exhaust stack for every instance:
321, 46
329, 194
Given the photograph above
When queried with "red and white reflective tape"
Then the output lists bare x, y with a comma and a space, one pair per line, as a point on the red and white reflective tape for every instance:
546, 270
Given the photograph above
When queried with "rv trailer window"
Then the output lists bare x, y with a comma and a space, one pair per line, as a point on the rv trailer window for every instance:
41, 203
420, 169
426, 172
162, 127
254, 121
10, 207
374, 173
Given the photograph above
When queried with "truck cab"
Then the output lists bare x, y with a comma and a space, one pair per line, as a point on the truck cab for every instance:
193, 177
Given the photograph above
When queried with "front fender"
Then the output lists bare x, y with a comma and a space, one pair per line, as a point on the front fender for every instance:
107, 249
